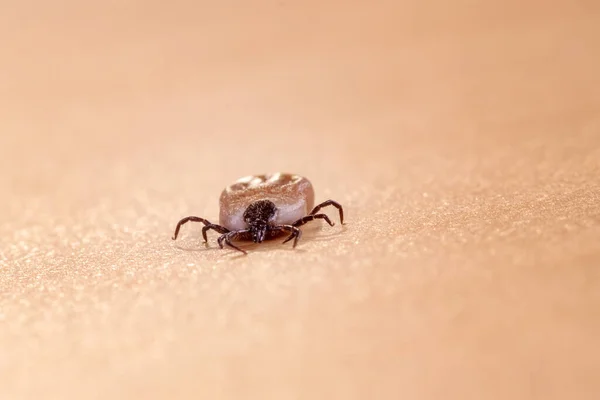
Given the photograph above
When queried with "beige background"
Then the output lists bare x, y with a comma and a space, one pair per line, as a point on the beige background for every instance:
462, 137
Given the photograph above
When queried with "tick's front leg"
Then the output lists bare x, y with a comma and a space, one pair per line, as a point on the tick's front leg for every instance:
207, 225
214, 227
296, 233
185, 221
227, 237
329, 203
309, 218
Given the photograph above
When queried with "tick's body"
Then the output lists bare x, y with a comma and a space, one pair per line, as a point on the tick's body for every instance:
262, 207
292, 195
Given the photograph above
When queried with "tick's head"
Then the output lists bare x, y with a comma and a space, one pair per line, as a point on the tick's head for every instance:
259, 216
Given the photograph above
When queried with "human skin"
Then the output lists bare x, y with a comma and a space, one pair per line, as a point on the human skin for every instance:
463, 141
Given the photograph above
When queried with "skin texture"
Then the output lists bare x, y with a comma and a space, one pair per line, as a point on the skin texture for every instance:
462, 138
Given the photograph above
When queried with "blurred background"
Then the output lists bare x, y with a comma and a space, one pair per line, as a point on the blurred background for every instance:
463, 139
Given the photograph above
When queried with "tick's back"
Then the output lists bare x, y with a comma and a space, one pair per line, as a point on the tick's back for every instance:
292, 194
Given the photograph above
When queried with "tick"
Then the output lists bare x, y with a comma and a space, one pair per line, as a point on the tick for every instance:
261, 207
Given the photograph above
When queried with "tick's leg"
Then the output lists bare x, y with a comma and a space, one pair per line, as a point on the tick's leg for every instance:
226, 237
215, 227
329, 203
208, 225
309, 218
296, 233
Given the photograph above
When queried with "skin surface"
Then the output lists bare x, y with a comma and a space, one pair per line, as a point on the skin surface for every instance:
462, 138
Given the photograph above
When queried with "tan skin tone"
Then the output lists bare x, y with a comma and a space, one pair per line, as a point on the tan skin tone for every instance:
461, 140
